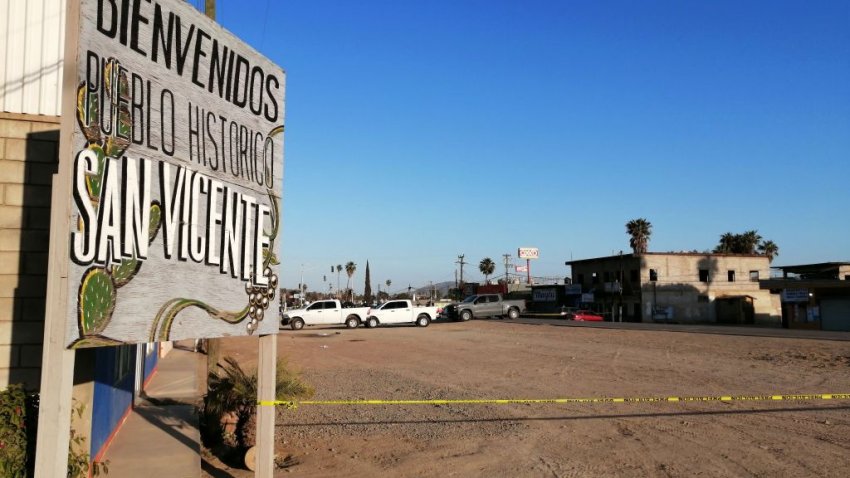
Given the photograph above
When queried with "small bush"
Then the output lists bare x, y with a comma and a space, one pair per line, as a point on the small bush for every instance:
15, 430
231, 390
78, 459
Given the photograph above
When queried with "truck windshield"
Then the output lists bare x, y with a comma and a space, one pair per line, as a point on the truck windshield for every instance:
469, 299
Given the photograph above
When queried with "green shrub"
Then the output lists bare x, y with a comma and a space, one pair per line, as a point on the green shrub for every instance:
15, 429
231, 390
78, 459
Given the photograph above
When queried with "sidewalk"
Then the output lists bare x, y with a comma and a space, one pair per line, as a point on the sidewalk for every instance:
160, 437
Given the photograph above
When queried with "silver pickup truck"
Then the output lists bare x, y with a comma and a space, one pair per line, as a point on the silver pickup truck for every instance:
485, 305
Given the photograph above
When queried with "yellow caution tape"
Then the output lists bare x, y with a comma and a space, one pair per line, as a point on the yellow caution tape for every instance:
511, 401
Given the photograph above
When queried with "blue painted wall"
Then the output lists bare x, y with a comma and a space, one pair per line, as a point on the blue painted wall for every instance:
114, 372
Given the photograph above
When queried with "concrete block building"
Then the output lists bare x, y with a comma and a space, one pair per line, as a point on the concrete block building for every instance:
683, 287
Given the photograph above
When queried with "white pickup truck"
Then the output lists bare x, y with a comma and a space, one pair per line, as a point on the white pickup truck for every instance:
324, 312
401, 312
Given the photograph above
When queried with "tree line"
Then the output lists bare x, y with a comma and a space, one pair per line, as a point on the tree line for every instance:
748, 242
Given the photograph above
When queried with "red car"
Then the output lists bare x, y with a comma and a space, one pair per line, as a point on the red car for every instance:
584, 315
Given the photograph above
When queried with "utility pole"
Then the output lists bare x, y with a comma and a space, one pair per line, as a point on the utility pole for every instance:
209, 9
301, 287
507, 259
462, 263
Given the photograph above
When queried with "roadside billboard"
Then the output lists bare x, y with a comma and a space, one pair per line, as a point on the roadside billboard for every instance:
528, 253
175, 175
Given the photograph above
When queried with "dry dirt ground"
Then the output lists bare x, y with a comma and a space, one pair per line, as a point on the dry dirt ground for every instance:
503, 359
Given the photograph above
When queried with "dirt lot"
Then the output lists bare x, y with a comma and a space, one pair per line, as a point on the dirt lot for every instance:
502, 359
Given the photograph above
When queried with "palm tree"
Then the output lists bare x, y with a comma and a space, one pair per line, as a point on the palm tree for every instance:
233, 390
639, 230
350, 267
769, 249
749, 242
487, 266
388, 282
727, 243
338, 270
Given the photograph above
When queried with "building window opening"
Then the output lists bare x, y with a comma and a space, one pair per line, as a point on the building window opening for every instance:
653, 275
703, 275
754, 276
730, 275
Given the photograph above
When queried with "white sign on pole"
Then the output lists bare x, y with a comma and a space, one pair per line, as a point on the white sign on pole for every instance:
528, 253
521, 268
176, 174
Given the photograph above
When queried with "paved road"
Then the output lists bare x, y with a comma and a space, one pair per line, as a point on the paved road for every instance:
698, 329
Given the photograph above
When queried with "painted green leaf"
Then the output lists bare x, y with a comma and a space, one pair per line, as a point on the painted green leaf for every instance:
270, 259
95, 181
90, 128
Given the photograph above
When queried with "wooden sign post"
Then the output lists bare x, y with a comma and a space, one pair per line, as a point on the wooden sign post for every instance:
166, 206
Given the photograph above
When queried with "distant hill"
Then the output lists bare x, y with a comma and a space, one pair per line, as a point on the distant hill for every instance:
441, 287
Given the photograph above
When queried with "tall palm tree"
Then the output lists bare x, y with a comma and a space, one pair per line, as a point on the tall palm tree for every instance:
350, 267
769, 249
338, 270
388, 282
639, 230
487, 266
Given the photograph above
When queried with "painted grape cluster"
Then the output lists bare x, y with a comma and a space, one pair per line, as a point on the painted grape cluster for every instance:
259, 299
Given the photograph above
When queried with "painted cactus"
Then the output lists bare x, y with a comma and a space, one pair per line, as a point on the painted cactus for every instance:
98, 286
123, 272
96, 301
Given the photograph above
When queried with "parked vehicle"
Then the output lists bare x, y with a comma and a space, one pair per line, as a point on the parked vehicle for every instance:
401, 312
584, 315
324, 312
485, 305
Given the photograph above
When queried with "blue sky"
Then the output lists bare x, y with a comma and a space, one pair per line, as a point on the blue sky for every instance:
417, 131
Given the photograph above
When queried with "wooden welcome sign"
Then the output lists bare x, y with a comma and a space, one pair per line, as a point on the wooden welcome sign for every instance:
175, 178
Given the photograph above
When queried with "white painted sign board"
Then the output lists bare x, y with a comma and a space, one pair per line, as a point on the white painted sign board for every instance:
176, 174
528, 253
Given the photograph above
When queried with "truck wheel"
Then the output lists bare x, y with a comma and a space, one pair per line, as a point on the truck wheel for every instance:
513, 313
423, 320
465, 315
372, 322
352, 322
297, 323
